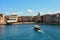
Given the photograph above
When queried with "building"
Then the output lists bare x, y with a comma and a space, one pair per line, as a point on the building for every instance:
25, 19
2, 19
34, 19
37, 18
46, 18
58, 17
55, 18
12, 19
19, 19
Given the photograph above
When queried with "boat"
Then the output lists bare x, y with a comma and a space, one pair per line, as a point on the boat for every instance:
37, 27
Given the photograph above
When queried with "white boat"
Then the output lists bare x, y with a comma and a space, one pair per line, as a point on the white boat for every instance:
37, 27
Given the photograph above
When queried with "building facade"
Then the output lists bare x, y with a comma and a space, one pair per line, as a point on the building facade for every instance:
25, 18
2, 19
46, 18
29, 18
12, 19
37, 18
54, 18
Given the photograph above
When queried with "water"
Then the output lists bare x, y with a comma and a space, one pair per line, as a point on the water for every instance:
26, 32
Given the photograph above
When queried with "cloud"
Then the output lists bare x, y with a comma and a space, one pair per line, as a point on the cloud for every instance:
57, 11
5, 13
14, 13
17, 13
43, 9
29, 10
49, 12
41, 12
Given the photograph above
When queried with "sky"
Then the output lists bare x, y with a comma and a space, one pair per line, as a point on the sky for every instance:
29, 7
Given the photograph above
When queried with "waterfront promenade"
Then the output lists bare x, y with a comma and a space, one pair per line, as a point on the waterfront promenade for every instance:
24, 23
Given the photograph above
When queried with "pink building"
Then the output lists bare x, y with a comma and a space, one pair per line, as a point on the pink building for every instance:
2, 19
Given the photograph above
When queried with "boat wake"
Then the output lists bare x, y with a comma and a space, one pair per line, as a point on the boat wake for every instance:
41, 31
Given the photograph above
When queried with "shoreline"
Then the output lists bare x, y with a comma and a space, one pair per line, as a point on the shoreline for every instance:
30, 23
24, 23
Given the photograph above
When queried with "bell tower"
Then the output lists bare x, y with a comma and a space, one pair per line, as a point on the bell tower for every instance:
38, 16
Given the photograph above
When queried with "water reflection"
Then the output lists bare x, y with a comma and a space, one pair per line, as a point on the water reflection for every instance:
2, 30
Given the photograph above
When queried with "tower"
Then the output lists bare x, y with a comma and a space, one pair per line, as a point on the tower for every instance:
38, 16
38, 13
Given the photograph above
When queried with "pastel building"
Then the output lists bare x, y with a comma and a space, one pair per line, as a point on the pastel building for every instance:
2, 19
12, 19
46, 18
25, 18
37, 18
29, 18
55, 18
